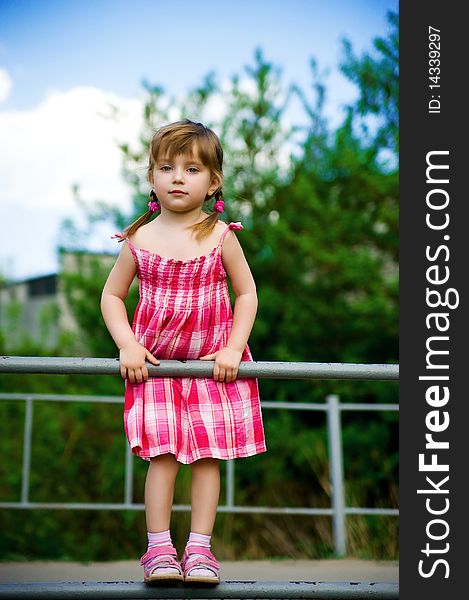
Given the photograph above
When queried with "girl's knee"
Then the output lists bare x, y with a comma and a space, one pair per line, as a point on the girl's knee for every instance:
166, 460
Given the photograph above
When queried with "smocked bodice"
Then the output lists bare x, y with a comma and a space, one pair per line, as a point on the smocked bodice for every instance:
180, 284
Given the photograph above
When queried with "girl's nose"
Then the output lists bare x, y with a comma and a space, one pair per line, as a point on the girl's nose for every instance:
178, 174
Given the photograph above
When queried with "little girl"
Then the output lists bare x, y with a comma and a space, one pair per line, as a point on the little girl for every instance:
182, 259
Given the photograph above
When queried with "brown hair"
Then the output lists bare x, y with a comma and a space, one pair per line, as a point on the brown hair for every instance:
183, 137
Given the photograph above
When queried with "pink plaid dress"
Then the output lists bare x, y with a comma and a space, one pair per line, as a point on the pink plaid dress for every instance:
184, 313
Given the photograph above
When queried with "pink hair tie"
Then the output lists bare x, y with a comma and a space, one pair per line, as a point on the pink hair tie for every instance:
154, 206
219, 206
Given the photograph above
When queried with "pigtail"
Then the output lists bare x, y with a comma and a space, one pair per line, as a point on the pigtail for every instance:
206, 226
153, 206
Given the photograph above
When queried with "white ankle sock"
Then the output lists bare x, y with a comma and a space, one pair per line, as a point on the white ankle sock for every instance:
199, 539
161, 538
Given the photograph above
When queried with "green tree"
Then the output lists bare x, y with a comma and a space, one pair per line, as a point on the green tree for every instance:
376, 76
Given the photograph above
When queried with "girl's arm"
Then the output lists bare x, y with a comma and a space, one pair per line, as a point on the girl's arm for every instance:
132, 355
245, 308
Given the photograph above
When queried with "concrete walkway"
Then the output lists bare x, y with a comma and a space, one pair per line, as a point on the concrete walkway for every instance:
278, 570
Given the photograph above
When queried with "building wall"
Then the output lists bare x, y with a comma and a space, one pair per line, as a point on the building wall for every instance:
38, 308
30, 309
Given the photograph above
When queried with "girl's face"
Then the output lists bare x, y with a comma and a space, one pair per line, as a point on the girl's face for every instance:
182, 183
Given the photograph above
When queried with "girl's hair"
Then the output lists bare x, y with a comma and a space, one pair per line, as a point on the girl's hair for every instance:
183, 137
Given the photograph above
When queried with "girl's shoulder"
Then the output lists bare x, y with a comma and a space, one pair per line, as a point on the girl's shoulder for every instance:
220, 226
217, 232
214, 237
227, 238
142, 233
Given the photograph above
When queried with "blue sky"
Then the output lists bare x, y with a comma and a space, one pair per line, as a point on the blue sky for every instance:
57, 58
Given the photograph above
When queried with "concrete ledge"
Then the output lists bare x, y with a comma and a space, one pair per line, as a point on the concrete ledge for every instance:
114, 590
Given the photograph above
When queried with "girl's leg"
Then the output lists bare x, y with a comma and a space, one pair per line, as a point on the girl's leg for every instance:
205, 493
159, 491
159, 494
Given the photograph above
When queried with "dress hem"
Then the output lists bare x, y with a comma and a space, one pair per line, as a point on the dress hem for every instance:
197, 456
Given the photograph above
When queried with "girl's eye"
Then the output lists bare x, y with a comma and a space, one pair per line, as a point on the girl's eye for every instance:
165, 168
193, 170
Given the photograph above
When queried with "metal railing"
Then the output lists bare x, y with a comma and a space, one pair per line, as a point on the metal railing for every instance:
197, 368
333, 408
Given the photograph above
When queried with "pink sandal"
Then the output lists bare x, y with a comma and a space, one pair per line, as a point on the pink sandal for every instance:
200, 558
164, 560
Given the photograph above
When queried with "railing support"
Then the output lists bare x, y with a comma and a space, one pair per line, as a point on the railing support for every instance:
28, 426
230, 486
336, 474
129, 475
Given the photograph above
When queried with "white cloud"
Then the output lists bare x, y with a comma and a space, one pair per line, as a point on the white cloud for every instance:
44, 151
6, 83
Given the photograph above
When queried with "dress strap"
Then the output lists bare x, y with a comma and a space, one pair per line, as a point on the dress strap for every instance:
120, 237
235, 226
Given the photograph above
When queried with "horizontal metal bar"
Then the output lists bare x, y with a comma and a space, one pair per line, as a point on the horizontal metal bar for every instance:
295, 405
64, 398
227, 589
357, 406
177, 507
198, 368
71, 506
323, 406
272, 510
120, 400
391, 512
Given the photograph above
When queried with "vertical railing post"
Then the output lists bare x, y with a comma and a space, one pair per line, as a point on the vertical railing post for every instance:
336, 474
129, 474
28, 426
230, 483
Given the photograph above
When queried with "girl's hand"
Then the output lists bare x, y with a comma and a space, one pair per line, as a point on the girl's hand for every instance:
226, 364
132, 362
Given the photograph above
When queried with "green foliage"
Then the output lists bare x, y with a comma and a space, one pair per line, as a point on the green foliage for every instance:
377, 80
320, 210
